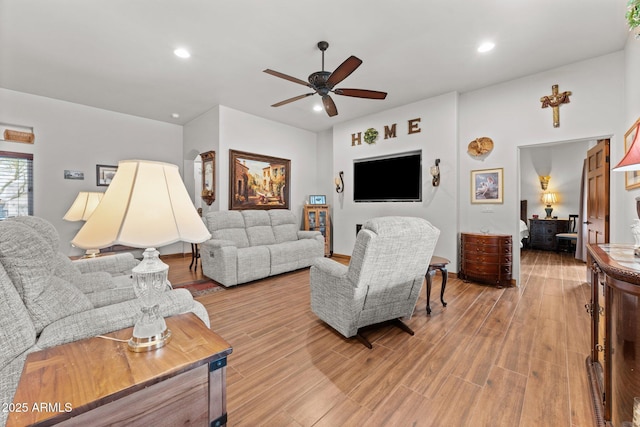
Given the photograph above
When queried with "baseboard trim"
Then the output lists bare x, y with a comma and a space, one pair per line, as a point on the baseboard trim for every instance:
341, 257
176, 255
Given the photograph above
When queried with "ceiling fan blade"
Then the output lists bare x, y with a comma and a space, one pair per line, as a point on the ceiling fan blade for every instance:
287, 77
343, 71
329, 106
361, 93
295, 98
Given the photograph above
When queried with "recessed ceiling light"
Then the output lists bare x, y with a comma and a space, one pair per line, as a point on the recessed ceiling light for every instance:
317, 107
486, 47
182, 53
175, 115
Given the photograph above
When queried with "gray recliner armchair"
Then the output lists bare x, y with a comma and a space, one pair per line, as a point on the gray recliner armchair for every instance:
383, 279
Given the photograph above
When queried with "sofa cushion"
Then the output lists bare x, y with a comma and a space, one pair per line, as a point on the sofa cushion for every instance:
227, 225
290, 256
284, 257
284, 224
17, 332
259, 229
253, 263
29, 262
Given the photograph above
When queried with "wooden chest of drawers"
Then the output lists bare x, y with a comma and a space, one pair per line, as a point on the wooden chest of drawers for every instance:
486, 258
542, 232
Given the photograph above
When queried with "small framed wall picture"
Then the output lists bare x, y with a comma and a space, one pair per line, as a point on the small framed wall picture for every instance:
104, 174
318, 199
487, 186
69, 174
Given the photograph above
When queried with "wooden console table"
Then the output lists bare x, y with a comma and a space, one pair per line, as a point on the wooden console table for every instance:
486, 258
613, 365
99, 382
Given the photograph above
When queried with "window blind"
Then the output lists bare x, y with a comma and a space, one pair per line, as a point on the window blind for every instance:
16, 184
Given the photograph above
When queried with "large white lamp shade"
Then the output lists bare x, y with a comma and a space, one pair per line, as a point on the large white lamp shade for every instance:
146, 205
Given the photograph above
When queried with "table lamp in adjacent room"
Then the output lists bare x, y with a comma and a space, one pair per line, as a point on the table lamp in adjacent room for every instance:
145, 206
81, 209
630, 163
548, 199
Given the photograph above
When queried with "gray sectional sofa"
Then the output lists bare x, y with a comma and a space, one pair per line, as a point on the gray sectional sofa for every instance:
253, 244
48, 300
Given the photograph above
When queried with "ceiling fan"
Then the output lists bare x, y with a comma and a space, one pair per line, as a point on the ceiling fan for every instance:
323, 82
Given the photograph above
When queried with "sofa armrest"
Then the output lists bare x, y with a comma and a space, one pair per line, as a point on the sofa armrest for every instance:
329, 268
112, 318
116, 265
304, 234
219, 261
333, 297
111, 296
94, 281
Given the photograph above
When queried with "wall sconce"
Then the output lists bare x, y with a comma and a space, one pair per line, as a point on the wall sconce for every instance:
435, 172
340, 182
544, 181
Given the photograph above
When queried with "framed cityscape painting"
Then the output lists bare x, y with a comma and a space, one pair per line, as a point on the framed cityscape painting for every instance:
257, 181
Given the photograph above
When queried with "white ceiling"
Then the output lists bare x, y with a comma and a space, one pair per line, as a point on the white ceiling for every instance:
118, 54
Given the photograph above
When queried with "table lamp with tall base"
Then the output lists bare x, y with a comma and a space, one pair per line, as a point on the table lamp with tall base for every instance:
145, 206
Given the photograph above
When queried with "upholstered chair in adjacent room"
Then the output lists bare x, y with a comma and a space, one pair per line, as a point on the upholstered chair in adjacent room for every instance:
383, 279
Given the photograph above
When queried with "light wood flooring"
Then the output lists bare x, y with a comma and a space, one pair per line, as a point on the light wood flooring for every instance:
492, 357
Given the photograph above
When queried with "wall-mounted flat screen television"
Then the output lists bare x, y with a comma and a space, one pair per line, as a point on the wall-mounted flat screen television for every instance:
394, 178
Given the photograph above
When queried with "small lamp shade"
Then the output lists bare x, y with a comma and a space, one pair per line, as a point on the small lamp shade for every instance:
84, 205
631, 160
146, 205
549, 198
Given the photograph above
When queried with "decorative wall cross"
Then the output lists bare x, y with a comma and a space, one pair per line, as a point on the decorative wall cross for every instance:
554, 100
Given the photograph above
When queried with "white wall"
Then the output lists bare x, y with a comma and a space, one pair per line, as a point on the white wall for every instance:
565, 168
200, 135
510, 113
77, 137
240, 131
437, 139
324, 179
625, 203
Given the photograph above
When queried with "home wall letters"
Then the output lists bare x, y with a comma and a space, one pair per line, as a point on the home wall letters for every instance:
413, 126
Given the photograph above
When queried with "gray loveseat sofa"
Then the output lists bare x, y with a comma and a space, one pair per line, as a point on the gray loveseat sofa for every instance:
253, 244
46, 300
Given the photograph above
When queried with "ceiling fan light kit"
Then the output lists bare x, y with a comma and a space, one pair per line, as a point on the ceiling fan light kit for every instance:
323, 83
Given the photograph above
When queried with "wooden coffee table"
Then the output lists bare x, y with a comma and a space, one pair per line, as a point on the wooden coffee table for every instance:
436, 263
99, 382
